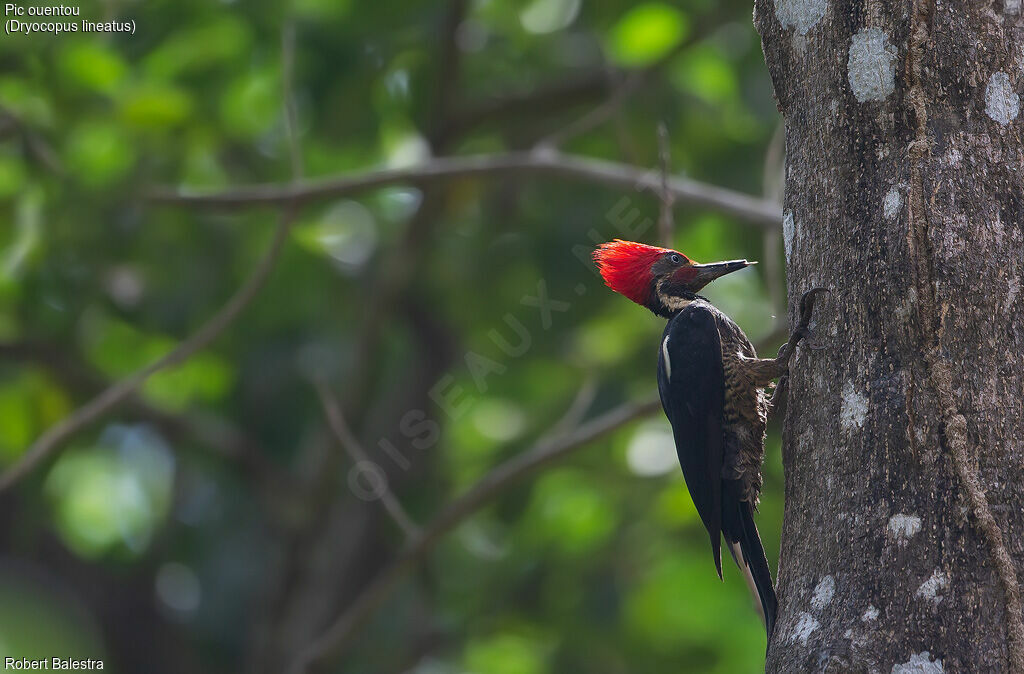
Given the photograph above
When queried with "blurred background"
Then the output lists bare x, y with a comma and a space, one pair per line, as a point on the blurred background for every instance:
216, 521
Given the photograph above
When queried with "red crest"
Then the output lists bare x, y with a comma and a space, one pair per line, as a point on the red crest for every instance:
625, 267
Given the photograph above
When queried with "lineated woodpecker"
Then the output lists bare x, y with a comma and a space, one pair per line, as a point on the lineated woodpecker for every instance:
712, 389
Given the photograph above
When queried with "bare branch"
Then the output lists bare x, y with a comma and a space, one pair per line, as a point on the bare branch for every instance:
338, 636
51, 441
542, 101
744, 207
666, 223
577, 408
208, 430
615, 85
597, 116
629, 86
36, 145
347, 439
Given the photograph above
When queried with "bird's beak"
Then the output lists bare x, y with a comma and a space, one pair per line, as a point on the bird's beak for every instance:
706, 273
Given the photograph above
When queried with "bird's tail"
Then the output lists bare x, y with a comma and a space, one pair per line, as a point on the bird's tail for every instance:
749, 556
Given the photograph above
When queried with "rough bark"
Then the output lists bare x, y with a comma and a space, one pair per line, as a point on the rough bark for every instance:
904, 441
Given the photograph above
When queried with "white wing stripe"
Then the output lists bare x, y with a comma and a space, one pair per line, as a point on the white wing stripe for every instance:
668, 361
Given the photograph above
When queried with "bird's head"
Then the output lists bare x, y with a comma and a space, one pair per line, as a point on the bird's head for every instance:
661, 279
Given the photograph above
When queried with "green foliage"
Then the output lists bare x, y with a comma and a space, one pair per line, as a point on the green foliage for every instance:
118, 349
569, 513
29, 403
112, 497
40, 621
99, 153
92, 66
507, 653
597, 564
646, 33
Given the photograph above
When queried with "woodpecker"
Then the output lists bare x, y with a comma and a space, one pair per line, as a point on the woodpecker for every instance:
712, 390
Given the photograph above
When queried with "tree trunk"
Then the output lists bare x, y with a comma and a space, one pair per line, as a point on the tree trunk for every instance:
904, 440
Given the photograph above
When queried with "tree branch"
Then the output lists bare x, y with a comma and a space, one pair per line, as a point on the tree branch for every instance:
347, 439
666, 222
54, 438
208, 430
541, 101
51, 441
36, 145
339, 634
620, 84
744, 207
632, 83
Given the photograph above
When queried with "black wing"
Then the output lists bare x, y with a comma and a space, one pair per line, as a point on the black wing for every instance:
691, 383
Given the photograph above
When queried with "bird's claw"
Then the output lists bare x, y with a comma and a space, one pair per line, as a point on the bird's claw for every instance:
802, 332
807, 304
808, 338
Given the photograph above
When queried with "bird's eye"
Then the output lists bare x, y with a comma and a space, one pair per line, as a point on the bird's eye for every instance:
674, 258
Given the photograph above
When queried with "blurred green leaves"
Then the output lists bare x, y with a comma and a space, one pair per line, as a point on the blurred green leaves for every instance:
345, 232
26, 100
155, 107
601, 563
118, 349
251, 103
214, 42
704, 72
507, 653
113, 495
569, 513
646, 33
333, 10
29, 403
99, 152
92, 65
25, 241
12, 175
547, 16
498, 420
680, 603
40, 619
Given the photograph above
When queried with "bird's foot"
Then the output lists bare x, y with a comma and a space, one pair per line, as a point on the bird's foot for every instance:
806, 309
780, 392
802, 332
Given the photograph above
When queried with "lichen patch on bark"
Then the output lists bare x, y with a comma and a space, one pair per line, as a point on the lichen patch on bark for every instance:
800, 15
1002, 103
1012, 288
805, 626
919, 663
854, 409
902, 527
892, 204
931, 589
823, 593
871, 67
